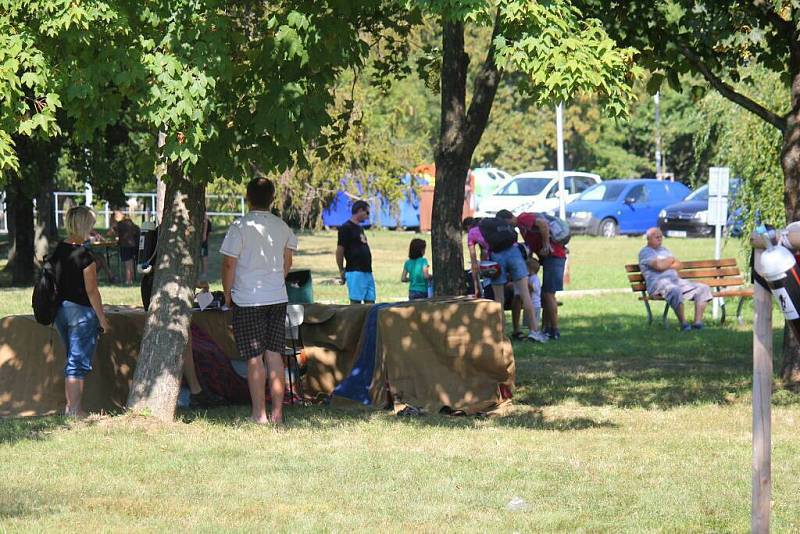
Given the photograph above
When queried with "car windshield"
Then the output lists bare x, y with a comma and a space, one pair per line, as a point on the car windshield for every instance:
602, 192
702, 193
524, 186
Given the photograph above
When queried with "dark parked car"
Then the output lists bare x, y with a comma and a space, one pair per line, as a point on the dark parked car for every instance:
690, 217
622, 206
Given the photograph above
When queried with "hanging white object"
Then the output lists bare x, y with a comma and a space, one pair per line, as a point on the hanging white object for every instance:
562, 194
87, 191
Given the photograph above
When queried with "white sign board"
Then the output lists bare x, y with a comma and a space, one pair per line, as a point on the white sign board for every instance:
717, 210
719, 179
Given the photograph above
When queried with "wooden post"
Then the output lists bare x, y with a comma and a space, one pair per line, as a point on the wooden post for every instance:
762, 394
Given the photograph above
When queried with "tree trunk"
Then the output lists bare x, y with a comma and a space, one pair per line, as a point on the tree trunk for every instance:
21, 235
156, 381
459, 134
790, 163
452, 165
44, 207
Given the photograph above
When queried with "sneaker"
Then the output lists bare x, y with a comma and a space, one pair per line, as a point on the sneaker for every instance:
686, 327
553, 333
537, 337
697, 326
205, 399
518, 336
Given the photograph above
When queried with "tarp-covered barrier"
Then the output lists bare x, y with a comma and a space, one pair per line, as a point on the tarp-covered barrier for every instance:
427, 353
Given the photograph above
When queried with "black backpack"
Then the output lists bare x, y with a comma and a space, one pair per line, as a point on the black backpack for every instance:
498, 233
45, 301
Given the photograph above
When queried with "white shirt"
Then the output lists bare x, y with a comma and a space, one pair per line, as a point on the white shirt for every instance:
536, 292
257, 241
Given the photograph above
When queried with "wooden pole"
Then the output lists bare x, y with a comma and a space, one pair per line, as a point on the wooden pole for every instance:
762, 394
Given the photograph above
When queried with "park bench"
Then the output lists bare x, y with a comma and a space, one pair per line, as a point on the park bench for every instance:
722, 276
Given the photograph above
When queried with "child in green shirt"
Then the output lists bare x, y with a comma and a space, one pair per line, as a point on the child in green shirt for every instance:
416, 270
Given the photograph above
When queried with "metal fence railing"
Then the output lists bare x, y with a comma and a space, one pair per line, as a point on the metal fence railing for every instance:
141, 206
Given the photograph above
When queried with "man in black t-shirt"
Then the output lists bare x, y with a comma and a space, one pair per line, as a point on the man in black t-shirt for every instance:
354, 257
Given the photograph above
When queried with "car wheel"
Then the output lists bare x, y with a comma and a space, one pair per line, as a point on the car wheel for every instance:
607, 228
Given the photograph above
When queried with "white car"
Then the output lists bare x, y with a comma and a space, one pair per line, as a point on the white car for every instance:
535, 191
487, 180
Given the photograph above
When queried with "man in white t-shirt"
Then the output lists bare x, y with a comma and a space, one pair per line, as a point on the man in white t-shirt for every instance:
256, 256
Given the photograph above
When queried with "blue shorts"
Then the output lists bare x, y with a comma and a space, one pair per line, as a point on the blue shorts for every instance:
511, 263
417, 295
360, 286
553, 274
77, 325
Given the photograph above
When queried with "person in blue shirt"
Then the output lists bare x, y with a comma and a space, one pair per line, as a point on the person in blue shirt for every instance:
416, 270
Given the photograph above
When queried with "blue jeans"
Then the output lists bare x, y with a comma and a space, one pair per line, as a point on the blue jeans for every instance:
77, 325
512, 263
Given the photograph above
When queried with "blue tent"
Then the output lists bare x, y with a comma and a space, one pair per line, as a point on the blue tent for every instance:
403, 214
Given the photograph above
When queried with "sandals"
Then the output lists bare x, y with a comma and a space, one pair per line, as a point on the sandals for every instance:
447, 410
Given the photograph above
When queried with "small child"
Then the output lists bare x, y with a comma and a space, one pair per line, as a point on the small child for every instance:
535, 287
416, 270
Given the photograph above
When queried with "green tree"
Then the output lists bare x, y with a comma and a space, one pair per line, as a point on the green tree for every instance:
228, 86
722, 41
43, 64
557, 52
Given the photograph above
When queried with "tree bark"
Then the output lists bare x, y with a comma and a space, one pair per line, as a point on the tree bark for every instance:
156, 381
459, 134
452, 165
21, 235
790, 163
29, 242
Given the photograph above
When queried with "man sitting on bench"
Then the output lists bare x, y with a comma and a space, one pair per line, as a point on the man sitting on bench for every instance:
660, 270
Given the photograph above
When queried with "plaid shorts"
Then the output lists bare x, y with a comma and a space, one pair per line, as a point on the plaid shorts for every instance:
258, 329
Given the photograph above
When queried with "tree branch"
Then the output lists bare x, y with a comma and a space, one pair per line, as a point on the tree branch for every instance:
484, 91
730, 93
765, 12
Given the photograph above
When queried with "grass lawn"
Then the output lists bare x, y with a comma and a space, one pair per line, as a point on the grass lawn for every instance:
618, 427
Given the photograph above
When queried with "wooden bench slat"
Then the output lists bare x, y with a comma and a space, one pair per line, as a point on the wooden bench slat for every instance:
704, 273
723, 294
722, 272
720, 282
698, 264
693, 264
711, 282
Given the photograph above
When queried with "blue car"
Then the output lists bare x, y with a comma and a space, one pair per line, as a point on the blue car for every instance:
622, 206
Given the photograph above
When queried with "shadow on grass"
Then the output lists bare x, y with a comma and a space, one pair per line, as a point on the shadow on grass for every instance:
29, 428
620, 361
319, 417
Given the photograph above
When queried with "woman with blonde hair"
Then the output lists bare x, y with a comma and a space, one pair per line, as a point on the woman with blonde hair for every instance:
80, 316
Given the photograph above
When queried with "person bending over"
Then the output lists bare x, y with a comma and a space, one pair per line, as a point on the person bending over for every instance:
501, 237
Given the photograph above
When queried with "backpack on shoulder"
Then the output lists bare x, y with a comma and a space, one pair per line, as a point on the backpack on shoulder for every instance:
45, 294
559, 228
